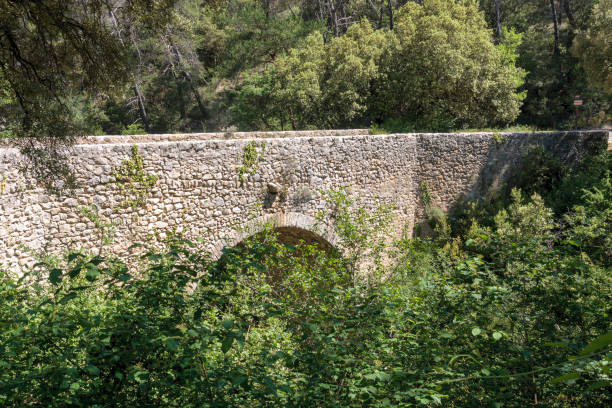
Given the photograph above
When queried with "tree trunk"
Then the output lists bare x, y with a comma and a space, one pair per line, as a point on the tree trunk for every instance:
390, 9
322, 18
343, 14
381, 13
180, 90
498, 27
180, 86
139, 98
334, 17
567, 7
187, 76
320, 11
141, 108
553, 8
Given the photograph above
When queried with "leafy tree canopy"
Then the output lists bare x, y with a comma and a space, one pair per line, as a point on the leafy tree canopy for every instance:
594, 47
438, 68
443, 70
102, 66
53, 51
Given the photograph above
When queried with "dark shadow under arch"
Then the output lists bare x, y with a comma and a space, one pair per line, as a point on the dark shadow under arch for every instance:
291, 229
274, 263
294, 236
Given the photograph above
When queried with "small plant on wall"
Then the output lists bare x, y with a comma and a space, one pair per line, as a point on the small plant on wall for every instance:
499, 138
133, 180
105, 229
250, 159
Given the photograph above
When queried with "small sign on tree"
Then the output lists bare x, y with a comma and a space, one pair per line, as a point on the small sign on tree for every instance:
577, 101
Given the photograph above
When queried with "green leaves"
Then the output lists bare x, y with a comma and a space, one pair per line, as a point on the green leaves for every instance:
68, 297
93, 370
134, 182
226, 344
369, 73
239, 380
593, 48
597, 344
227, 324
171, 343
92, 271
452, 39
565, 377
55, 276
140, 376
271, 324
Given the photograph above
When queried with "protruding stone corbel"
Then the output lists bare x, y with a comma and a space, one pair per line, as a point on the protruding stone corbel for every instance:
274, 188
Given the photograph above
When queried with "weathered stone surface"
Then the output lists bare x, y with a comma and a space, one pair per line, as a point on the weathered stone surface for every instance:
199, 191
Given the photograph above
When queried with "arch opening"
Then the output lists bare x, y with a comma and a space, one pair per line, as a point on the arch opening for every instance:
289, 228
297, 267
292, 236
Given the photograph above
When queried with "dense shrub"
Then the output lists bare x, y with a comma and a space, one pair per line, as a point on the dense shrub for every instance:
444, 72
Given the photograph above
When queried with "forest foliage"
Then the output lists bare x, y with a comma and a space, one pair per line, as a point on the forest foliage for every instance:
370, 75
162, 66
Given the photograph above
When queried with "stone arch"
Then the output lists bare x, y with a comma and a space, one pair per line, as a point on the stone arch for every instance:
291, 226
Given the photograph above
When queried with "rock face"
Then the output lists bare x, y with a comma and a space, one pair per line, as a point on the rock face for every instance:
217, 186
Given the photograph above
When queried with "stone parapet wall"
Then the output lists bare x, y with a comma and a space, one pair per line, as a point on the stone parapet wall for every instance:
182, 137
199, 191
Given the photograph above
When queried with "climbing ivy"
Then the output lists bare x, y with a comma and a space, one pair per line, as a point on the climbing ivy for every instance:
105, 229
425, 193
133, 180
250, 159
499, 138
436, 217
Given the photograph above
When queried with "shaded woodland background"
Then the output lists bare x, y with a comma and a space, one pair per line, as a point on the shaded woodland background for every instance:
111, 67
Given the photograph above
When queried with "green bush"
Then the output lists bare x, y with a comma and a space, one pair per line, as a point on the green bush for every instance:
443, 71
133, 129
586, 175
592, 47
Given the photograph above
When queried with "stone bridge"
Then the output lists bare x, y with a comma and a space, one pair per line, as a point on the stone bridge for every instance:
221, 186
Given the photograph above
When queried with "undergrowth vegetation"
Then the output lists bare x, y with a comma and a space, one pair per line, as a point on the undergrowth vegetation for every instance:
509, 307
